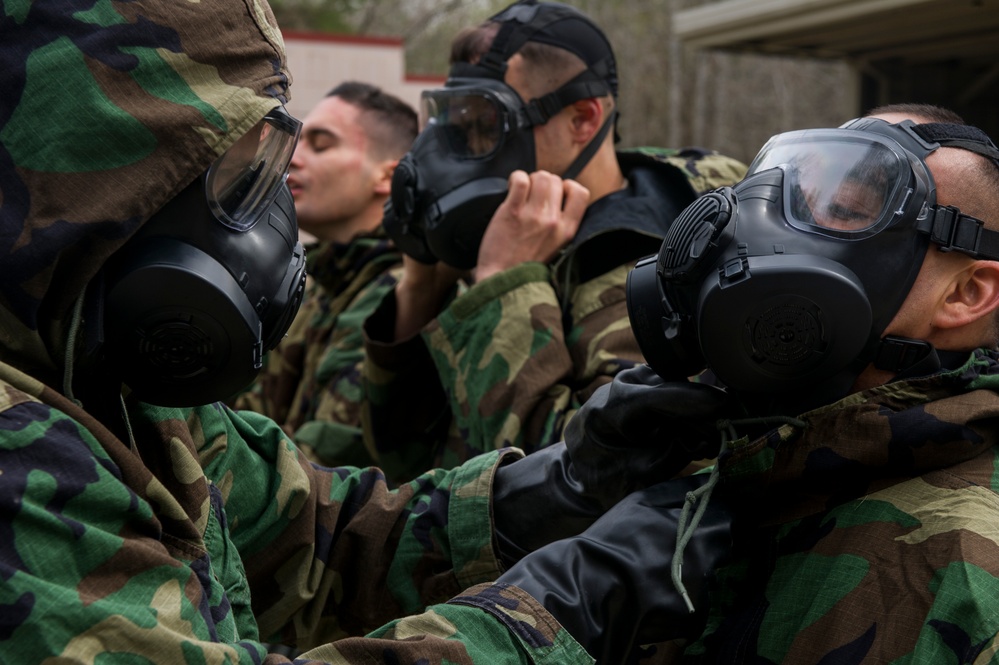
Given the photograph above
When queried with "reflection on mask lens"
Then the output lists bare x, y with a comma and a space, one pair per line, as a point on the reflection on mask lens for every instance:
836, 184
472, 125
245, 179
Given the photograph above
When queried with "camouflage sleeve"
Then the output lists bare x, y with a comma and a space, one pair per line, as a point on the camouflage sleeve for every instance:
315, 549
328, 547
335, 547
488, 623
514, 371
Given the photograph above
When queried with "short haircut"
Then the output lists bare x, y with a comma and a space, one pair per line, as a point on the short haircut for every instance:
926, 112
389, 122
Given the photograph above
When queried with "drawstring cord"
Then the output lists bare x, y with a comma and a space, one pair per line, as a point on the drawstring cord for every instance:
697, 500
74, 329
67, 380
685, 530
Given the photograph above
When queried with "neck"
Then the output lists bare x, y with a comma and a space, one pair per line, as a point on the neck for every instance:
602, 176
345, 230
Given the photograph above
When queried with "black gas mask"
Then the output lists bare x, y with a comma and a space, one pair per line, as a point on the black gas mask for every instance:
185, 310
477, 130
784, 284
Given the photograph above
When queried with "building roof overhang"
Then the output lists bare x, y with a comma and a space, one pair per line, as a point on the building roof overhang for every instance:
860, 31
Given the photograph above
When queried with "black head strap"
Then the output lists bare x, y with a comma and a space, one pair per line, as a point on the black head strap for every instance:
584, 157
518, 23
954, 231
947, 226
584, 86
966, 137
550, 23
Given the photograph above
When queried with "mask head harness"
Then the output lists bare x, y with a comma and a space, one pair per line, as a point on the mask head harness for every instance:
185, 310
478, 130
784, 284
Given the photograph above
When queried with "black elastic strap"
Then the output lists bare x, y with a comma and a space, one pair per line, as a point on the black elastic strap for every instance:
542, 109
966, 137
910, 358
897, 354
591, 149
518, 24
952, 230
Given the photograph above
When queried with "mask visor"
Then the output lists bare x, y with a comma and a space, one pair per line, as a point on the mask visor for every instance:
839, 183
244, 180
472, 122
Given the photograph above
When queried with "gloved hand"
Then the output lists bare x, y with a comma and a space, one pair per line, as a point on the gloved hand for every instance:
633, 432
611, 586
642, 429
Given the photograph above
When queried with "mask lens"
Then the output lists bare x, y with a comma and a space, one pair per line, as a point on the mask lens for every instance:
243, 182
837, 185
471, 124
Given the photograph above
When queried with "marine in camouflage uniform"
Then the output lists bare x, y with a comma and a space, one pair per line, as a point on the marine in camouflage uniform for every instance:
340, 176
511, 359
865, 526
311, 383
145, 542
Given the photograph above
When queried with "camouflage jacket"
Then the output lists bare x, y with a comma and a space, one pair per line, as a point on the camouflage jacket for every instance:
311, 382
869, 530
510, 359
213, 531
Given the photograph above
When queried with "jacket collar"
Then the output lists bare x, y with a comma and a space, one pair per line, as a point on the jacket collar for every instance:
867, 441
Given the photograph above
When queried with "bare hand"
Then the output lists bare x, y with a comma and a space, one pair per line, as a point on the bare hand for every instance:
420, 294
540, 215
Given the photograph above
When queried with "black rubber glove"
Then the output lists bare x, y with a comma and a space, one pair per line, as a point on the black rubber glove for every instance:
611, 587
633, 432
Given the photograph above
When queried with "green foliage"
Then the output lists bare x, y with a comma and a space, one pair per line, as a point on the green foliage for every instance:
318, 15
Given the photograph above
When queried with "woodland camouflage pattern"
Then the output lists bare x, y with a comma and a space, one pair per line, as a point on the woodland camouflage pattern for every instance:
517, 354
870, 534
155, 557
311, 382
197, 533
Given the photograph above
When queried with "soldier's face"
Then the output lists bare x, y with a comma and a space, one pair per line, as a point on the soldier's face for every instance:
332, 174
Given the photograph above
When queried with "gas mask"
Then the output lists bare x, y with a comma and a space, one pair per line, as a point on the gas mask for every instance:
784, 284
186, 309
477, 130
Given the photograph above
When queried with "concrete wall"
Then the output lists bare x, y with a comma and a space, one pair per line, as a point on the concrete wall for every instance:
318, 62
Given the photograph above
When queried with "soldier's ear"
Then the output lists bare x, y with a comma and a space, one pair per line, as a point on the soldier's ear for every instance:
587, 118
972, 298
383, 176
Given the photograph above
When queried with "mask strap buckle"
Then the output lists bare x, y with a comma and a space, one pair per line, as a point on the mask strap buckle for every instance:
541, 109
953, 231
900, 353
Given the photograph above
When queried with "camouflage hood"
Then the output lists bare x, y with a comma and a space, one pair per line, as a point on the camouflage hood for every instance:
109, 109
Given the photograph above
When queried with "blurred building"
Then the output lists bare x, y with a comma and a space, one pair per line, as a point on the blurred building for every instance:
319, 61
943, 52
